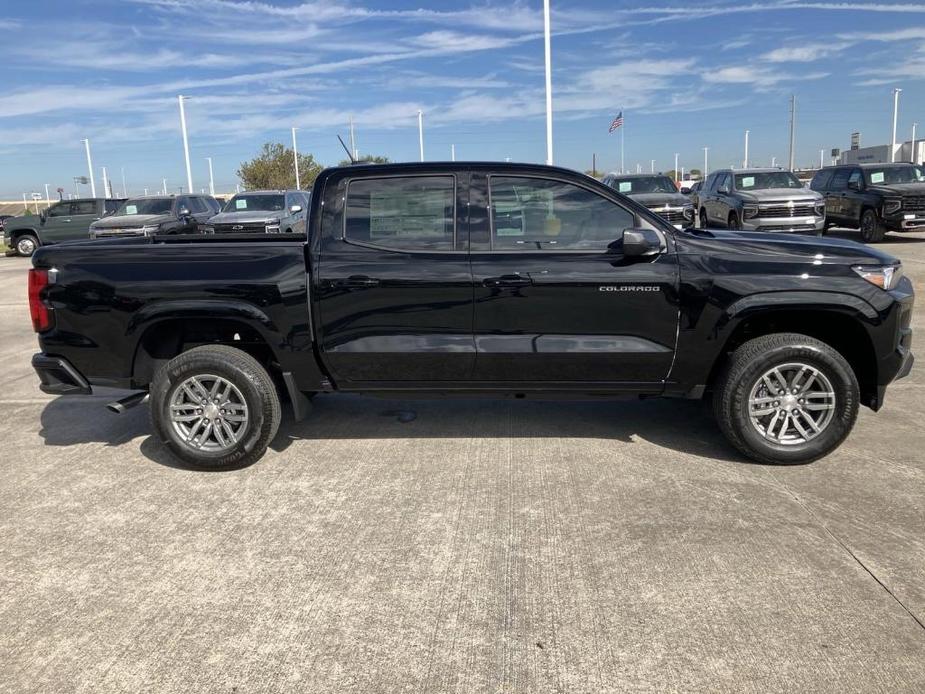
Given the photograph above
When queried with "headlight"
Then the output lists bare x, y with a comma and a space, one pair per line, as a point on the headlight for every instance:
884, 276
820, 208
688, 211
750, 211
273, 226
891, 205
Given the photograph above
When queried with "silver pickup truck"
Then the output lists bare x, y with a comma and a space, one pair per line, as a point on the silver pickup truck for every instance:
262, 212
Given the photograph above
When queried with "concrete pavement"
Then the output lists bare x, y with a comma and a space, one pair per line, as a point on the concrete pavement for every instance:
483, 546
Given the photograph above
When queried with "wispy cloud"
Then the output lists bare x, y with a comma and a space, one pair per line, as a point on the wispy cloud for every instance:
757, 76
804, 53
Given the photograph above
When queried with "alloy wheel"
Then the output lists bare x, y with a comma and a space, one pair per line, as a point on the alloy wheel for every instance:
791, 404
208, 413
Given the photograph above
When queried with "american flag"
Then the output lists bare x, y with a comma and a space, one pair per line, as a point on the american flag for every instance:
617, 122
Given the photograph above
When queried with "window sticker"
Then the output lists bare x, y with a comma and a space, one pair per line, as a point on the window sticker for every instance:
625, 186
419, 213
240, 204
876, 177
748, 181
131, 209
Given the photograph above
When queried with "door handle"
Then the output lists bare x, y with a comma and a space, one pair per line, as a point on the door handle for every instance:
507, 281
355, 282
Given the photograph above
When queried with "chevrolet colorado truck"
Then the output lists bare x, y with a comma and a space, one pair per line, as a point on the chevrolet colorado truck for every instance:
475, 279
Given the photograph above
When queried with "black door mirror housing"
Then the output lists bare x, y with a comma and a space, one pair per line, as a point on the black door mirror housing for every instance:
685, 190
641, 242
184, 212
854, 185
723, 190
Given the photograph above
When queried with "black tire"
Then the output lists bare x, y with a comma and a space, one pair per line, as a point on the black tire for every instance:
733, 221
254, 387
25, 245
744, 372
703, 219
872, 227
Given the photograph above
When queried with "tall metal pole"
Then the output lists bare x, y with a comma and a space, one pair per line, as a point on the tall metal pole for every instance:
706, 169
421, 132
896, 91
295, 160
189, 171
675, 167
211, 179
105, 184
912, 153
548, 50
793, 116
353, 141
90, 169
652, 166
47, 200
124, 189
745, 161
452, 152
821, 158
165, 186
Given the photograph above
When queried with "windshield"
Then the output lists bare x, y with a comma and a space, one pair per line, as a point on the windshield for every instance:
895, 174
261, 203
645, 184
145, 206
766, 180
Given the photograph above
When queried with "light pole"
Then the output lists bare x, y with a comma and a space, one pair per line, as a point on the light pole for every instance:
675, 167
105, 184
421, 132
165, 186
124, 193
793, 117
896, 92
86, 142
452, 152
211, 179
706, 151
773, 162
821, 158
652, 166
913, 152
745, 161
548, 52
353, 141
189, 172
295, 160
47, 199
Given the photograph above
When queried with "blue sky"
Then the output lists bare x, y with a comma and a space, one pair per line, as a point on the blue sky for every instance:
687, 75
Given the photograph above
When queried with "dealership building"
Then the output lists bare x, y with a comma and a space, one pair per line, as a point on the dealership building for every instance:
880, 154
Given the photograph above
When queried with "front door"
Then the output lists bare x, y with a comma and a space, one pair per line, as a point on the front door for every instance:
69, 220
394, 282
556, 301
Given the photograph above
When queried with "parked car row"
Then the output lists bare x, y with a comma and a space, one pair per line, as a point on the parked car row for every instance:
874, 198
278, 211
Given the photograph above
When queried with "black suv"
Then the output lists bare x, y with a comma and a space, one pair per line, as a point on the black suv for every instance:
658, 193
159, 214
875, 198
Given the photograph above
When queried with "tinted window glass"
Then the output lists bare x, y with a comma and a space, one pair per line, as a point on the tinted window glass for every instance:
643, 184
821, 180
145, 206
764, 180
111, 206
410, 213
256, 203
83, 207
59, 210
839, 180
540, 214
895, 174
855, 177
198, 205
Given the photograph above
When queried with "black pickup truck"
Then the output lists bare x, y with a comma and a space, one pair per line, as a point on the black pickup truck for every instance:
459, 279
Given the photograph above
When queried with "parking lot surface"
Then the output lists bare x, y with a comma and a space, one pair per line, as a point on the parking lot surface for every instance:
464, 546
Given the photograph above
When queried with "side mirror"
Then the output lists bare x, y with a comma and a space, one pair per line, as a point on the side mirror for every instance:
685, 190
295, 209
854, 185
723, 190
184, 212
641, 242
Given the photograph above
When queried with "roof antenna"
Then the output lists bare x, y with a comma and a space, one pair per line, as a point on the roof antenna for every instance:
349, 153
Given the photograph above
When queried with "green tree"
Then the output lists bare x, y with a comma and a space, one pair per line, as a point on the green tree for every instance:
273, 169
372, 159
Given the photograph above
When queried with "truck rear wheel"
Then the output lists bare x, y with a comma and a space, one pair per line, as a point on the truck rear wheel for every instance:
786, 399
215, 407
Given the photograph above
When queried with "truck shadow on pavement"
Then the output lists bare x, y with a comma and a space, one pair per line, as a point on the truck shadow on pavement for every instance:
677, 425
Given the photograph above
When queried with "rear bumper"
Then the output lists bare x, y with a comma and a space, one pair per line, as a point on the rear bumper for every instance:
58, 376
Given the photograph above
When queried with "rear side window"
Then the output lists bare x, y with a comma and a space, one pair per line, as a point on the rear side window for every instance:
839, 180
415, 213
821, 180
83, 207
537, 214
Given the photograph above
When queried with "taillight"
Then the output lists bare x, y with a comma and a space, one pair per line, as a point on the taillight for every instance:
38, 309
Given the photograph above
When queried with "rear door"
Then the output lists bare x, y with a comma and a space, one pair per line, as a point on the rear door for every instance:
852, 201
556, 301
393, 283
835, 201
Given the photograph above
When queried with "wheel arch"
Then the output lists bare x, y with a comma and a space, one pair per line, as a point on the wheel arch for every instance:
839, 321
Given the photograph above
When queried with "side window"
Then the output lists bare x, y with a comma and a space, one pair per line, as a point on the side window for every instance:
181, 203
62, 209
416, 213
721, 180
839, 180
821, 179
110, 206
83, 207
530, 214
855, 178
198, 206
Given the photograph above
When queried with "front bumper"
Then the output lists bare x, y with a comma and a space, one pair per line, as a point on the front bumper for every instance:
58, 376
905, 221
812, 224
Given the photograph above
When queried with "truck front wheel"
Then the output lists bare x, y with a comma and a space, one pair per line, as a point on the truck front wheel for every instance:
25, 245
786, 399
215, 407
